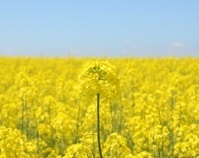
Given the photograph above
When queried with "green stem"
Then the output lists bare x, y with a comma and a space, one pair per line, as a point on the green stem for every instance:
98, 125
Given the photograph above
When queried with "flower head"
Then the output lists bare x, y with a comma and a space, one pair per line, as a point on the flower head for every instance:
98, 77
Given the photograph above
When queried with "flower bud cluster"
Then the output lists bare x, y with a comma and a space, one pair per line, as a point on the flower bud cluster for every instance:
98, 77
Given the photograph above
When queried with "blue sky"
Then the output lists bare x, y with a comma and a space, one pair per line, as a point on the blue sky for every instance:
99, 28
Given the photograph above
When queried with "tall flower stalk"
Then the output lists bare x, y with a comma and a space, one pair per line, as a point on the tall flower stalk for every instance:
98, 124
99, 80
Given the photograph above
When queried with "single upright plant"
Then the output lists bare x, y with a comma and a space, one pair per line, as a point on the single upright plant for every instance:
97, 80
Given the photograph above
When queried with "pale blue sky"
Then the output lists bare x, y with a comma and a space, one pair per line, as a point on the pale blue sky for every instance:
99, 27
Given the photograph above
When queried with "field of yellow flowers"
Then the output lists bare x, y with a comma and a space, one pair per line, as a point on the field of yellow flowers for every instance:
149, 109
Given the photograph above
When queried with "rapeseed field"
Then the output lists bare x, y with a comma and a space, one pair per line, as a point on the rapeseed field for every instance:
149, 107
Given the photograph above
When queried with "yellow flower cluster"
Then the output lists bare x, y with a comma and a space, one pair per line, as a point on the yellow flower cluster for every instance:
14, 144
42, 113
98, 77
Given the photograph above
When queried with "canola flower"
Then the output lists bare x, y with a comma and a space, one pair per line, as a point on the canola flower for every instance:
43, 115
98, 78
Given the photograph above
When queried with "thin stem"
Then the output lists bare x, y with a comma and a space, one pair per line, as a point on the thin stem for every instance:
98, 125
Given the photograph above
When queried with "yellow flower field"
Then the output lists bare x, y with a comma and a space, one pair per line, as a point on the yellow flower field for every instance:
149, 108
